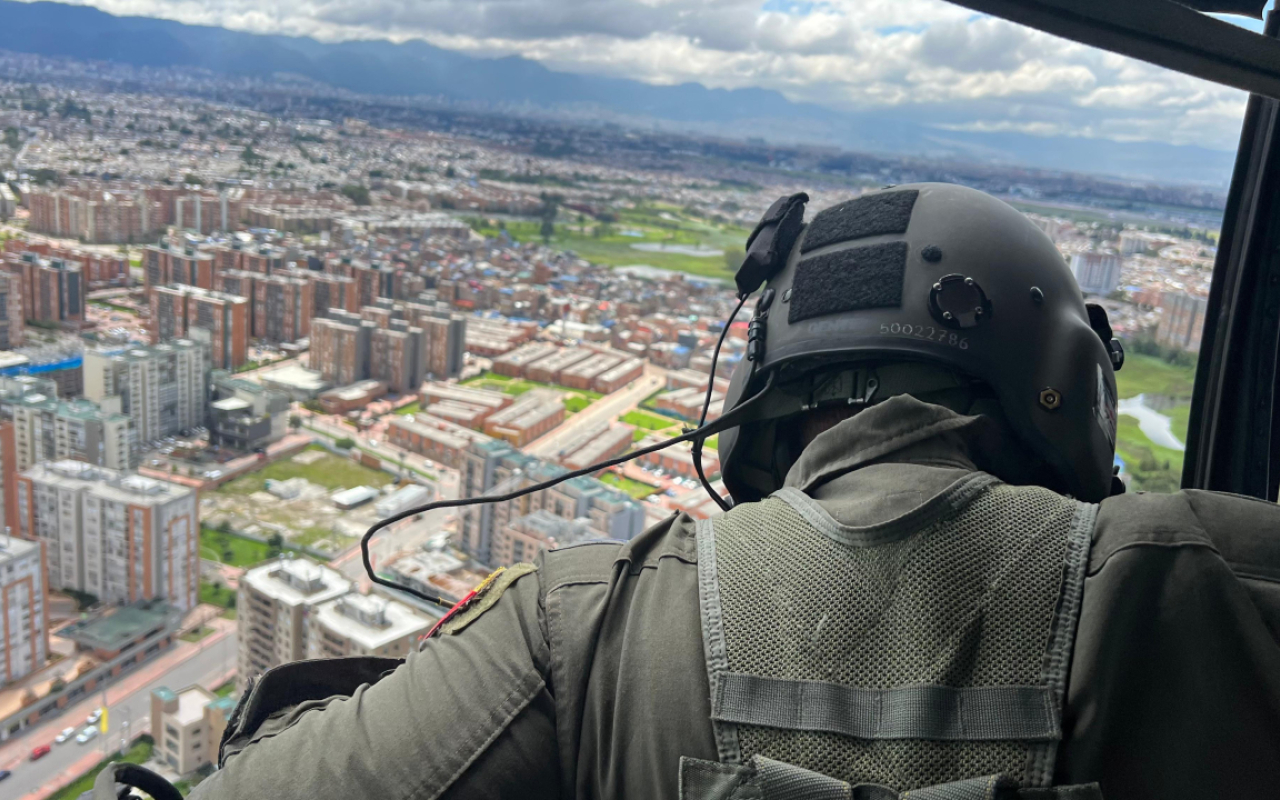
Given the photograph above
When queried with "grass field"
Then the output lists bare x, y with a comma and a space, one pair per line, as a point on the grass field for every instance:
573, 403
231, 549
412, 408
1152, 467
610, 244
643, 419
196, 635
636, 489
138, 754
331, 472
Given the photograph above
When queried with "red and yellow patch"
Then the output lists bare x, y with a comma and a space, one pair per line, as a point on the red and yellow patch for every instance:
479, 600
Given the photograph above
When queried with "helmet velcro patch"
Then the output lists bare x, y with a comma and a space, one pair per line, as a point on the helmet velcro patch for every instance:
869, 215
848, 280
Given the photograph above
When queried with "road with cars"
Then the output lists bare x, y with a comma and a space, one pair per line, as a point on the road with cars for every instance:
129, 704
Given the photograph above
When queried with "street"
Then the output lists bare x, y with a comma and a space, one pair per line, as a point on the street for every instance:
205, 663
603, 410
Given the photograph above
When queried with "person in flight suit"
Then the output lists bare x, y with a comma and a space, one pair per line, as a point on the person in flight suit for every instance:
931, 584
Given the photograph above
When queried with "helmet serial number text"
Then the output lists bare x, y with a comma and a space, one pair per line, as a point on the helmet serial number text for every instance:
928, 332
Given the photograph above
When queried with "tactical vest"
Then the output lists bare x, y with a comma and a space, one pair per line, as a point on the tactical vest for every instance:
921, 657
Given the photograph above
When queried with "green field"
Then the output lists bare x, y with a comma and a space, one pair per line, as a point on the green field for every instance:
138, 754
216, 594
609, 244
573, 403
636, 489
643, 419
196, 635
412, 408
332, 472
1152, 467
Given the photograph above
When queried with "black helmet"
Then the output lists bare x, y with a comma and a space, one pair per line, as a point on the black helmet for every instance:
930, 274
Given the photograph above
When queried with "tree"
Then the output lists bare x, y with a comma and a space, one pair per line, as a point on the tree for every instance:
546, 231
345, 443
450, 172
295, 421
275, 545
357, 194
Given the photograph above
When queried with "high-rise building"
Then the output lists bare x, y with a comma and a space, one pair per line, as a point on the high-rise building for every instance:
1097, 273
206, 212
330, 291
12, 312
53, 290
166, 264
263, 259
394, 357
1182, 321
48, 429
273, 604
24, 618
162, 388
92, 214
363, 625
245, 415
112, 534
340, 347
281, 308
8, 478
218, 320
444, 341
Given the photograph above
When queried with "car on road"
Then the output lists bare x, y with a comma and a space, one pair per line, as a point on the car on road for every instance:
40, 752
94, 717
4, 773
66, 734
87, 735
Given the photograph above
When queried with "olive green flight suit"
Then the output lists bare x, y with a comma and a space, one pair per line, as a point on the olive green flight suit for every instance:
587, 677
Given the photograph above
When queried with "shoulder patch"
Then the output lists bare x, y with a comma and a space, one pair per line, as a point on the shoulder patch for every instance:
480, 599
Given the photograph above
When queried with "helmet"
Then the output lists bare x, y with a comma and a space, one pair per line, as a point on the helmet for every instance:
945, 279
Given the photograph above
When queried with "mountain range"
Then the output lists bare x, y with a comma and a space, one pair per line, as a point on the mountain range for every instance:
416, 68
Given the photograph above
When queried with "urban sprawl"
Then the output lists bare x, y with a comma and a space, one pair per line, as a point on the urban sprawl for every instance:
232, 339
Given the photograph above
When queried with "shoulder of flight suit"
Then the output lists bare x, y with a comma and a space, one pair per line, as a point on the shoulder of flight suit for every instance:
1174, 686
468, 714
1243, 531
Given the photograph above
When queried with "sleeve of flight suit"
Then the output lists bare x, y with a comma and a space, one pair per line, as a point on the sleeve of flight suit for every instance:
468, 715
1175, 681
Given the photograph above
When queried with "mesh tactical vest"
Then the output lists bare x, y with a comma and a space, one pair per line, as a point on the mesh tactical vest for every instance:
922, 657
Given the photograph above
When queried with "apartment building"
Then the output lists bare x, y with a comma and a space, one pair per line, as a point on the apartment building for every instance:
13, 327
364, 625
92, 215
263, 259
273, 607
166, 264
444, 341
245, 415
53, 290
116, 535
8, 478
187, 726
524, 537
48, 429
549, 369
596, 444
528, 418
281, 308
331, 291
206, 212
438, 439
514, 363
24, 623
218, 320
340, 347
162, 388
492, 467
1182, 321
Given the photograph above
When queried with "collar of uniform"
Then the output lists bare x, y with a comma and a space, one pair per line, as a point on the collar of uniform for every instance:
902, 429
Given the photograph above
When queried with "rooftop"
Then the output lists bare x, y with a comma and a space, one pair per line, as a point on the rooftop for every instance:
371, 622
191, 703
12, 548
125, 625
297, 581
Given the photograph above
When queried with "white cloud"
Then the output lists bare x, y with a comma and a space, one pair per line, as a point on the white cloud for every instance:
927, 60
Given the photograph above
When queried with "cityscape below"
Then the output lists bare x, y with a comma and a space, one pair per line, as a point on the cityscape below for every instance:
234, 334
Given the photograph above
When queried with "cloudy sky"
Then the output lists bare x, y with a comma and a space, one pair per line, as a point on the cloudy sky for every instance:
923, 60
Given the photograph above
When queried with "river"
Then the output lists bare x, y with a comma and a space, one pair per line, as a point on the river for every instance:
1155, 426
